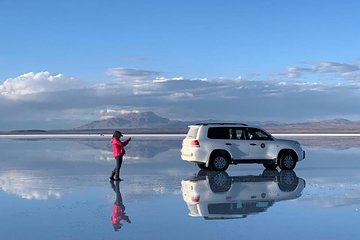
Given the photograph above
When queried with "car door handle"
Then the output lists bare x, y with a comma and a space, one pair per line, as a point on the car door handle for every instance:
228, 144
253, 144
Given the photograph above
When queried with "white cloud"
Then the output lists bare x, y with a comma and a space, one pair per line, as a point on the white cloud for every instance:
132, 73
32, 83
112, 113
61, 99
295, 72
327, 67
180, 95
323, 67
163, 79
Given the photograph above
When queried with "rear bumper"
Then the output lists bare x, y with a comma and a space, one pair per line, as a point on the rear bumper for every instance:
194, 156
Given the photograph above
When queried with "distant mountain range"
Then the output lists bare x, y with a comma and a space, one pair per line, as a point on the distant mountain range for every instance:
150, 120
325, 126
135, 120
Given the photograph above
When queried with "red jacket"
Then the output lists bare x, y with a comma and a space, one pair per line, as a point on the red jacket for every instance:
118, 146
119, 214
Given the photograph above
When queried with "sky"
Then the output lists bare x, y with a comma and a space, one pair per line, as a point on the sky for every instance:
66, 63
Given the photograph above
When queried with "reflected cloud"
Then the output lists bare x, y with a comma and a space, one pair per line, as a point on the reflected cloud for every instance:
334, 191
54, 168
216, 195
28, 185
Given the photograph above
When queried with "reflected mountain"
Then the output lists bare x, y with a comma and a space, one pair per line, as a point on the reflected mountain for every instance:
328, 142
154, 145
216, 195
139, 147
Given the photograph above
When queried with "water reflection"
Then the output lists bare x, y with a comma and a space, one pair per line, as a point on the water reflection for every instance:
216, 195
29, 185
118, 214
138, 149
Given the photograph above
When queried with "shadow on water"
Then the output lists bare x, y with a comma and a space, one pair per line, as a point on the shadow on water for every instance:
216, 195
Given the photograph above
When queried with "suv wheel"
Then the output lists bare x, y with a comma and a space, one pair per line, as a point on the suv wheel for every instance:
288, 181
219, 182
287, 161
202, 166
270, 166
267, 173
219, 162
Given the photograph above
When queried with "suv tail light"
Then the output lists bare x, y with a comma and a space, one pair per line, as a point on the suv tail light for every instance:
195, 199
195, 143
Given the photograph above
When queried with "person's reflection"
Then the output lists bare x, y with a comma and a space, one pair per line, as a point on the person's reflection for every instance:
118, 213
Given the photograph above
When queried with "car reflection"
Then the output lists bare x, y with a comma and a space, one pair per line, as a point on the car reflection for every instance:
216, 195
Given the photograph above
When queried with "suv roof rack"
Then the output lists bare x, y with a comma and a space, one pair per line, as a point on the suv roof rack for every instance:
221, 123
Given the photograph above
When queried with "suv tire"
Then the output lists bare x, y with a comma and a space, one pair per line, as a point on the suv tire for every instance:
219, 182
270, 166
288, 181
287, 161
202, 166
219, 162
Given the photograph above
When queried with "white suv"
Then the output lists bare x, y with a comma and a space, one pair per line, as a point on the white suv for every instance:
216, 145
216, 195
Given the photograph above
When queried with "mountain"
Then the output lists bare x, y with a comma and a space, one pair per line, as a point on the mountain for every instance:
324, 126
135, 120
150, 120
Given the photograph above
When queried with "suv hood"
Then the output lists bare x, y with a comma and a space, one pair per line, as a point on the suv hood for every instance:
288, 142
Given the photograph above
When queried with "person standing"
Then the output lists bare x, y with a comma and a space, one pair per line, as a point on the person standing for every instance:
119, 152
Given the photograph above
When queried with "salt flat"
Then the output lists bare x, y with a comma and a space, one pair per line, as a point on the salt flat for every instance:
59, 188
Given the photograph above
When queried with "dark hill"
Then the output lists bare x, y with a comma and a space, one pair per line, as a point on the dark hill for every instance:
135, 120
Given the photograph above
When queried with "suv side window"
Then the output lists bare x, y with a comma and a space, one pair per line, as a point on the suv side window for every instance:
238, 134
257, 134
192, 133
219, 133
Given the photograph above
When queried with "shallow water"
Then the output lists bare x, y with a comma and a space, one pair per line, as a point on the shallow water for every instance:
58, 189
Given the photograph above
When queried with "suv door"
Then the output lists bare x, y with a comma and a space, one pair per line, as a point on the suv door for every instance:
230, 139
240, 147
260, 144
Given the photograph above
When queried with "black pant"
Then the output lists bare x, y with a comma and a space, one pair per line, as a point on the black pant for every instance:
118, 162
115, 186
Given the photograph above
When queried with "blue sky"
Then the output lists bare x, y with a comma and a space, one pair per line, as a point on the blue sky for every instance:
64, 63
